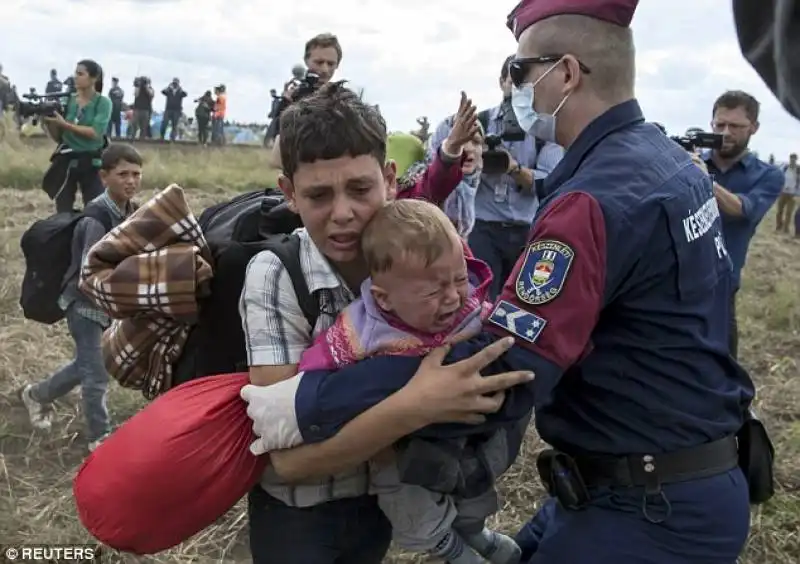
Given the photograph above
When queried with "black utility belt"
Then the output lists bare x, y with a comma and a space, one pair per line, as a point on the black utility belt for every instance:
570, 479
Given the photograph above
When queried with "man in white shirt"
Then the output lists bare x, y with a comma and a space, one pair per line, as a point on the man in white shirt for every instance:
788, 198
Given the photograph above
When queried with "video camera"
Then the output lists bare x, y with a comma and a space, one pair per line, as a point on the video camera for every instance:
305, 85
495, 160
42, 105
698, 140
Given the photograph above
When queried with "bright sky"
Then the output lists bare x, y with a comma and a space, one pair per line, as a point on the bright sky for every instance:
412, 56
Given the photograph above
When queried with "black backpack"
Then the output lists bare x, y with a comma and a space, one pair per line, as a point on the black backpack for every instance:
237, 230
47, 248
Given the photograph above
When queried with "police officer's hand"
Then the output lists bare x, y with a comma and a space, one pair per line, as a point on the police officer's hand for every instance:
457, 393
465, 127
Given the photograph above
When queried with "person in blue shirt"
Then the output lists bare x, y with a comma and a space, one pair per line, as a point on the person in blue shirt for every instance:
506, 203
744, 186
619, 304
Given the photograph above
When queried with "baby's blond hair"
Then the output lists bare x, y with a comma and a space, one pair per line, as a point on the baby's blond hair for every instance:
404, 228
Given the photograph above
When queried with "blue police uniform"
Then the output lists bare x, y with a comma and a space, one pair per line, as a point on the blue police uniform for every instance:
619, 305
630, 277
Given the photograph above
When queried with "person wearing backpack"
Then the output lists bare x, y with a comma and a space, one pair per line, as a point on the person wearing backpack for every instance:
333, 520
121, 173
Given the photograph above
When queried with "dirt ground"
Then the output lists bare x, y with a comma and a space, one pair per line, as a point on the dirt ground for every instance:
36, 470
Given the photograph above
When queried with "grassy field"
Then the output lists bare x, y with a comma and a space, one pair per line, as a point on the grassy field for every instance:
36, 470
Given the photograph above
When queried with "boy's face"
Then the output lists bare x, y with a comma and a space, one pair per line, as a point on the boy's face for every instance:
336, 198
123, 181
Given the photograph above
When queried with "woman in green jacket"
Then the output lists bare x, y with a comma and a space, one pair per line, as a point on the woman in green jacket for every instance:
81, 134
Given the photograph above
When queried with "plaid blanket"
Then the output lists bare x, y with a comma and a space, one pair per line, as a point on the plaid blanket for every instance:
147, 275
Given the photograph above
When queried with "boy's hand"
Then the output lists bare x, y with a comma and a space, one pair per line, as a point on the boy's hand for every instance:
465, 127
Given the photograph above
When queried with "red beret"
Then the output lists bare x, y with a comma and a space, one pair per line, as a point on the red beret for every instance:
528, 12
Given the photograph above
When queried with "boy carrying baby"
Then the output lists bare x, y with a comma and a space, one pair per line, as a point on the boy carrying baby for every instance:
424, 290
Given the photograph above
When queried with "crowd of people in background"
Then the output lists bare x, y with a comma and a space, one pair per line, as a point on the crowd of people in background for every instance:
135, 113
136, 116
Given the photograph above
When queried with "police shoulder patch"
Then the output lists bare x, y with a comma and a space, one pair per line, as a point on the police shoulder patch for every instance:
517, 321
544, 271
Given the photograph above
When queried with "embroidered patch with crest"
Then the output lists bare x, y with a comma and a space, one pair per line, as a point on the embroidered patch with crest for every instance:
517, 321
544, 271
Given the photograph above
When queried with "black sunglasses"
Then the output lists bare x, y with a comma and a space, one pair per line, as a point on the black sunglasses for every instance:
518, 67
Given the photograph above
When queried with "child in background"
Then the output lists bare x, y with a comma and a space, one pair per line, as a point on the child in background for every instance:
424, 290
121, 173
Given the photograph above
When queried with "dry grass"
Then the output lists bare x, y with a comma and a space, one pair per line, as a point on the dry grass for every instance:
240, 170
36, 470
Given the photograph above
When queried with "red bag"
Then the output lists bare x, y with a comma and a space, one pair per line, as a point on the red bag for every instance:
172, 469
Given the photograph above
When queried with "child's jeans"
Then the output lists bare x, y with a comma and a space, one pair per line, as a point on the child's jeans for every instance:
86, 370
421, 518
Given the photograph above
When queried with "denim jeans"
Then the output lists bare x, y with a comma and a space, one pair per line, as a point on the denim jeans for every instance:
170, 118
217, 132
343, 531
498, 244
86, 370
115, 124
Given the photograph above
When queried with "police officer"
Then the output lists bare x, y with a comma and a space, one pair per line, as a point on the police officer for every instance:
619, 304
622, 297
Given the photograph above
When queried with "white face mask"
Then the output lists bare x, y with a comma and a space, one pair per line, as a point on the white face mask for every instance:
542, 126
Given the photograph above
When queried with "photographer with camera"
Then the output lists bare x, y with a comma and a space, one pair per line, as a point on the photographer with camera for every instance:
143, 95
203, 112
274, 111
322, 57
117, 97
506, 200
173, 110
81, 137
745, 187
